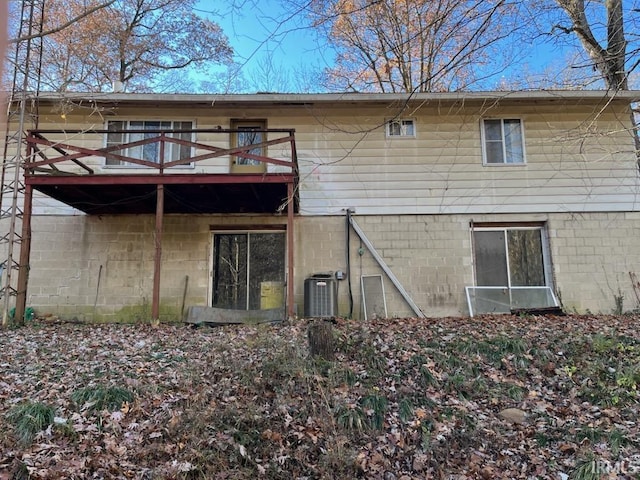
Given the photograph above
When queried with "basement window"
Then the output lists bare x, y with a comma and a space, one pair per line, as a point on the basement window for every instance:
512, 270
402, 127
119, 135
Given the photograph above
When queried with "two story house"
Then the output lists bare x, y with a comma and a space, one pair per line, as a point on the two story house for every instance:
361, 205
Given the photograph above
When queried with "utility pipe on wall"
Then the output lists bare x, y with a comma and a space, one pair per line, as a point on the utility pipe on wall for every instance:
385, 267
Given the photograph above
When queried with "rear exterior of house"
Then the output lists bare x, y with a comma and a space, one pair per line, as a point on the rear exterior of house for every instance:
431, 204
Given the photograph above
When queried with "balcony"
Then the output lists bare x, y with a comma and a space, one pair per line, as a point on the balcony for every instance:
158, 172
76, 168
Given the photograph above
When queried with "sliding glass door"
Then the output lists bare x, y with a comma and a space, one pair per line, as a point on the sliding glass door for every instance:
248, 270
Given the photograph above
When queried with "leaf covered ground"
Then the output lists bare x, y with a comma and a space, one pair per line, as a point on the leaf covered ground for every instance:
454, 398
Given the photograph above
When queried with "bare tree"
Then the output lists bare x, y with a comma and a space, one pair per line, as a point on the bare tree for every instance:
411, 45
605, 45
269, 75
308, 78
228, 80
610, 53
133, 42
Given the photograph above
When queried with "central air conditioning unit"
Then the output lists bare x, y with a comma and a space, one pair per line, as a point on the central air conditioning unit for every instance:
321, 295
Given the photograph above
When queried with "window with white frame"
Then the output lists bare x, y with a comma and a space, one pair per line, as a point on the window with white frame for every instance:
503, 141
512, 269
129, 131
401, 127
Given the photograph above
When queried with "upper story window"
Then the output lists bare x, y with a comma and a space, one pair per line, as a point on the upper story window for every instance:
150, 152
503, 141
401, 127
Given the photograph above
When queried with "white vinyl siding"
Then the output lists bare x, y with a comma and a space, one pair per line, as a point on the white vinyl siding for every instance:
442, 170
578, 158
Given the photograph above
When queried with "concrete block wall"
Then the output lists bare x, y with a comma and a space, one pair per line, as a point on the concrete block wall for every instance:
101, 267
429, 254
87, 265
593, 255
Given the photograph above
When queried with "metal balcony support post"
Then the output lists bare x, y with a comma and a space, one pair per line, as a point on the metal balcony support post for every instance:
25, 253
155, 306
290, 237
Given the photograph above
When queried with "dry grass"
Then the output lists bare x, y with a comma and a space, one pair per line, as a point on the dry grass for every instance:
406, 397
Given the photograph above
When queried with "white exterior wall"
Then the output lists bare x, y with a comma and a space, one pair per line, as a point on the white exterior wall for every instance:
579, 158
441, 170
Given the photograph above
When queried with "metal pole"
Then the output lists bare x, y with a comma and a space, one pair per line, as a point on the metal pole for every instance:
31, 19
14, 214
291, 188
386, 269
290, 236
25, 253
155, 307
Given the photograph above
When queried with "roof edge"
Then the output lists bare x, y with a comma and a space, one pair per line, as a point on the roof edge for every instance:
315, 98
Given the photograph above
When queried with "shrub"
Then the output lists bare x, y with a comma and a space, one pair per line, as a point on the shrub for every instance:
101, 398
29, 418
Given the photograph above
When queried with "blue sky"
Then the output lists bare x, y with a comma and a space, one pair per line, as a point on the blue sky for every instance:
259, 32
265, 31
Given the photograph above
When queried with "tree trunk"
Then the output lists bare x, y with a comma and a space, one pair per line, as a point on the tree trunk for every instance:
609, 60
320, 336
616, 46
